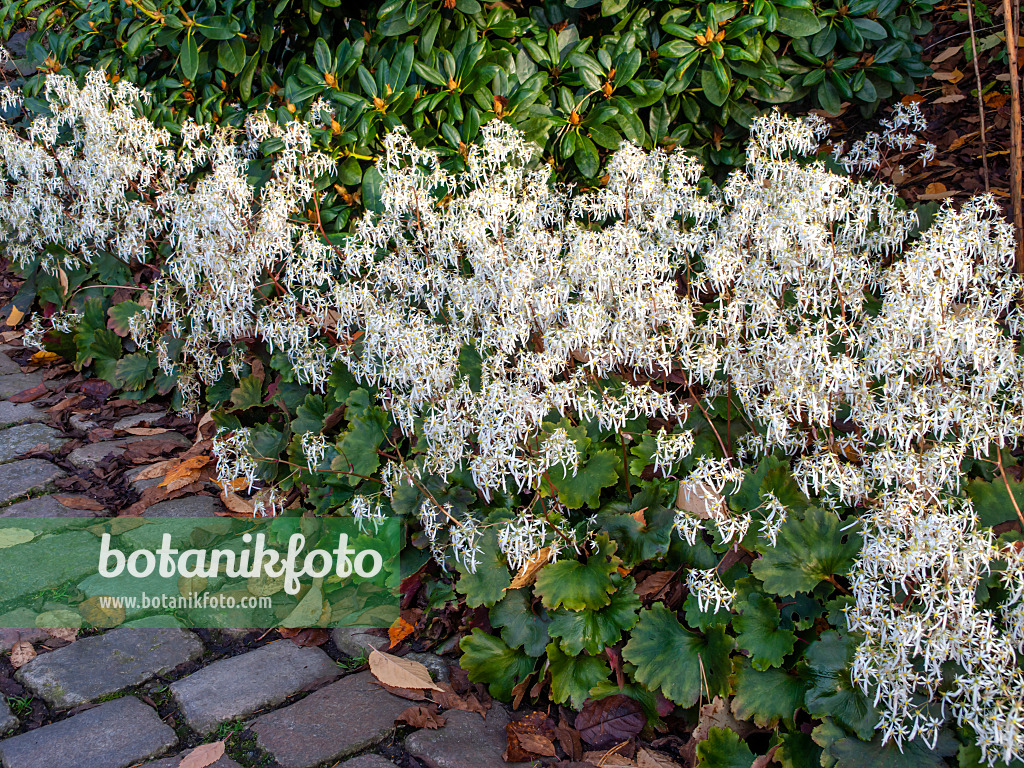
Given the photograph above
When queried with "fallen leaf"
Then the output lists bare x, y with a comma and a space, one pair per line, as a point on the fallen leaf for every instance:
645, 758
529, 737
398, 631
447, 698
22, 653
237, 504
264, 585
28, 395
949, 77
528, 573
159, 469
45, 357
204, 755
309, 610
59, 618
189, 468
67, 634
305, 638
8, 336
952, 98
11, 537
80, 502
146, 430
66, 403
608, 759
102, 611
412, 694
191, 585
654, 583
15, 316
399, 672
935, 187
607, 721
115, 526
995, 99
702, 501
946, 54
421, 717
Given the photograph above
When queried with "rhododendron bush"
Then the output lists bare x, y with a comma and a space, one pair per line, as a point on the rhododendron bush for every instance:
783, 400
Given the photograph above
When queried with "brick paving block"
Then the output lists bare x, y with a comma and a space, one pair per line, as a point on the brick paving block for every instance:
239, 686
174, 762
465, 741
339, 720
13, 383
14, 441
23, 477
116, 734
109, 663
20, 413
46, 563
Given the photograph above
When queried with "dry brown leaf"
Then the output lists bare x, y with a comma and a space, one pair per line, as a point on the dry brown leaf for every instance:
645, 758
191, 585
536, 744
399, 672
80, 502
449, 699
45, 357
237, 504
115, 526
102, 611
22, 653
204, 755
8, 336
934, 187
28, 395
146, 430
159, 469
946, 54
609, 759
188, 468
702, 502
949, 77
952, 98
421, 717
654, 583
67, 634
528, 573
398, 631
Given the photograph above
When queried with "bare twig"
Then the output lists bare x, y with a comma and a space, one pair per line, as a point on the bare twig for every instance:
1009, 20
981, 102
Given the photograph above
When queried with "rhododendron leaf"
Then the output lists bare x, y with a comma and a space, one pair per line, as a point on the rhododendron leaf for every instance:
520, 626
831, 692
767, 697
723, 749
593, 631
248, 393
578, 586
584, 488
854, 753
488, 584
487, 659
758, 632
135, 371
810, 548
573, 675
685, 665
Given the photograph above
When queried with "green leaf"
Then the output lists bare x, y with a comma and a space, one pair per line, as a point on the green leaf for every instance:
723, 749
231, 55
584, 489
593, 631
683, 664
106, 349
767, 697
578, 586
854, 753
371, 190
992, 502
135, 371
248, 393
120, 314
810, 548
831, 692
310, 416
322, 56
586, 157
797, 22
758, 632
711, 85
487, 586
189, 58
487, 659
520, 626
572, 676
245, 79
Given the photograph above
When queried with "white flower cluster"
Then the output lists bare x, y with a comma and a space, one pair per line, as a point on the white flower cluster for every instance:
880, 363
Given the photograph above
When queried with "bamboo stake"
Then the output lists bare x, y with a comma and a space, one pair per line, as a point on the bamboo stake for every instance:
981, 102
1015, 132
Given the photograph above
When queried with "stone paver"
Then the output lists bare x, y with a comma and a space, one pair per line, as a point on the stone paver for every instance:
179, 520
465, 741
116, 734
23, 477
342, 719
104, 664
357, 642
46, 506
368, 761
9, 634
46, 563
241, 685
19, 413
155, 622
436, 665
88, 456
14, 441
13, 383
174, 762
140, 485
8, 366
132, 589
138, 420
8, 722
186, 506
